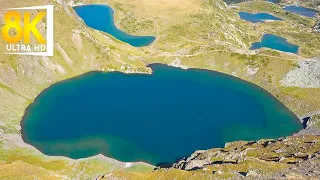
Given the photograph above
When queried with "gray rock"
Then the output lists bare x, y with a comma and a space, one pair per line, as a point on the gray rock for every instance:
306, 75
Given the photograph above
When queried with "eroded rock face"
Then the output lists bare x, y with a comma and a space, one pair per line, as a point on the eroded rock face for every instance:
312, 124
295, 152
316, 28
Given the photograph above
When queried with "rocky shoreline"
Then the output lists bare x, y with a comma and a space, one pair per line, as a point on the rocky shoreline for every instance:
295, 152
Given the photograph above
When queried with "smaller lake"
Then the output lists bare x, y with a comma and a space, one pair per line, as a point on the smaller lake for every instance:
307, 12
275, 42
274, 1
100, 17
258, 17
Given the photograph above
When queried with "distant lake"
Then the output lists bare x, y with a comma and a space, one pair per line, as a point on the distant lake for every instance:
274, 1
100, 17
153, 118
301, 10
275, 42
239, 1
258, 17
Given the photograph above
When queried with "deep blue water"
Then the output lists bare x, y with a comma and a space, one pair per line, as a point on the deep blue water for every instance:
273, 1
258, 17
100, 17
301, 10
153, 118
275, 42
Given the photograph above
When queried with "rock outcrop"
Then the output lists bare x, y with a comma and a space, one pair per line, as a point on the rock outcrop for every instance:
316, 28
305, 75
295, 152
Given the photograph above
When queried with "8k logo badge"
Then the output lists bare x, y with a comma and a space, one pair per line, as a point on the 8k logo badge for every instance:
20, 24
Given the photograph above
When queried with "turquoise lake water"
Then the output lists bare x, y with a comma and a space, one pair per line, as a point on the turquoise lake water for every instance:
258, 17
153, 118
100, 17
275, 42
301, 10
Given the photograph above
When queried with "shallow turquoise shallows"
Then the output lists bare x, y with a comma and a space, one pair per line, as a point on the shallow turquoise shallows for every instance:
153, 118
302, 11
275, 42
100, 17
258, 17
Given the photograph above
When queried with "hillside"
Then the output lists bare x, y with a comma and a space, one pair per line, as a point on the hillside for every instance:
194, 33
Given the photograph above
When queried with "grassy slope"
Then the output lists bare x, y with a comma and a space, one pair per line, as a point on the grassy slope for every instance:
200, 35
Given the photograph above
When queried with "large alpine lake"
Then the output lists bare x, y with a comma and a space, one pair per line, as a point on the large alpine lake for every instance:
153, 118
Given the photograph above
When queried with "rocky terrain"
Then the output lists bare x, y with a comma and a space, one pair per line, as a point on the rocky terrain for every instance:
298, 155
306, 74
316, 27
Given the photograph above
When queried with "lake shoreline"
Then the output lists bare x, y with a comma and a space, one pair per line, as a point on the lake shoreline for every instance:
113, 33
138, 73
270, 41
